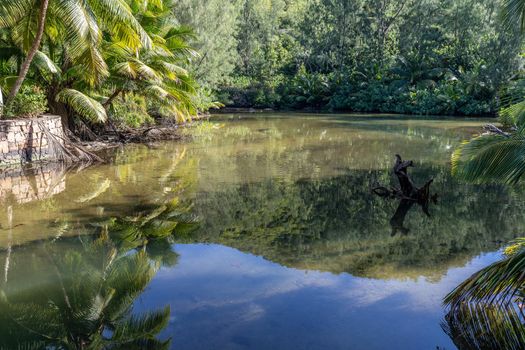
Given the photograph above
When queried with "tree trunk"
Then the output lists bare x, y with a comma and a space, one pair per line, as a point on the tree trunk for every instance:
31, 54
111, 98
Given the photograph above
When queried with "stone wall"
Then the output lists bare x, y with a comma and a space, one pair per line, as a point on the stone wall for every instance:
29, 140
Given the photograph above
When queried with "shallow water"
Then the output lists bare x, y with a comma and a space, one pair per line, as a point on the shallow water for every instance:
278, 241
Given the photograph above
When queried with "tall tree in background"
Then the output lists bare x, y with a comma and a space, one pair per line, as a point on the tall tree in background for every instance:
214, 23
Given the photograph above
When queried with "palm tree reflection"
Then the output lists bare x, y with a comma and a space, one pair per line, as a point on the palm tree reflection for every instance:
82, 294
477, 326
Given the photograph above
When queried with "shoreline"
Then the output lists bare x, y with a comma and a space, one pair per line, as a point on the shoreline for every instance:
164, 131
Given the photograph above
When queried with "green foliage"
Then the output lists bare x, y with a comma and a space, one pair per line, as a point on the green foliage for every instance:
30, 102
432, 57
307, 90
498, 287
495, 156
131, 110
485, 326
491, 158
214, 22
82, 104
93, 52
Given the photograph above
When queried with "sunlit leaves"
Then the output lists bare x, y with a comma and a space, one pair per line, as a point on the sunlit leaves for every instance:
43, 62
84, 105
491, 158
12, 11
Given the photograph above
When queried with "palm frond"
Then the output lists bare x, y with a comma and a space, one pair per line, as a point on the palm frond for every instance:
13, 10
117, 16
490, 158
481, 326
143, 326
514, 114
94, 67
495, 284
44, 63
79, 20
84, 105
514, 13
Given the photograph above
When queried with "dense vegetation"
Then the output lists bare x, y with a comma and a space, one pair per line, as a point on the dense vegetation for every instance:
132, 62
85, 60
403, 56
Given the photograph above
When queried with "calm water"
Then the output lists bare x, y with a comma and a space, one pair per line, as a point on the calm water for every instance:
261, 233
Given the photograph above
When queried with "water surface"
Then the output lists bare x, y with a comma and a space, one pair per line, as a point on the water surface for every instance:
277, 239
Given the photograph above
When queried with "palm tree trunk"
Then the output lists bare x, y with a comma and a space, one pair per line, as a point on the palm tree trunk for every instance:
31, 54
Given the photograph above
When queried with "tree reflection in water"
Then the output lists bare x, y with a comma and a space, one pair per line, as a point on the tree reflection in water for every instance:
79, 293
477, 326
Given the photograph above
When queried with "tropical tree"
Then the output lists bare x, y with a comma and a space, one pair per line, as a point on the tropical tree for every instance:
495, 156
155, 72
94, 52
495, 297
82, 25
480, 326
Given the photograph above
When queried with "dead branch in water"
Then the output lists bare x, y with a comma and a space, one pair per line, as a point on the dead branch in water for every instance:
408, 193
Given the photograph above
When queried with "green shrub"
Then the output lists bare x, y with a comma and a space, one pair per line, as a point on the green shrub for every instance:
29, 102
307, 90
131, 110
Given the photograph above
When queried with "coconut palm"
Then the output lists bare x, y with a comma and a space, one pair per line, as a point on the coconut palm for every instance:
82, 23
487, 307
155, 73
478, 326
514, 13
115, 61
495, 156
498, 283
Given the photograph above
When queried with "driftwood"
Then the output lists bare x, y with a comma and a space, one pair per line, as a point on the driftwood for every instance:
408, 194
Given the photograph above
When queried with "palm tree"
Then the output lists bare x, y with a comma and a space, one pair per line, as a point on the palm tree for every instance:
42, 14
495, 156
487, 307
514, 13
479, 326
156, 72
73, 30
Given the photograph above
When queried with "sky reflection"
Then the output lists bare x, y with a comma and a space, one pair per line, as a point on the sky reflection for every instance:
222, 298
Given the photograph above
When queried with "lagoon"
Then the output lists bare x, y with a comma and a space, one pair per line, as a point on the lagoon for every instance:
261, 232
